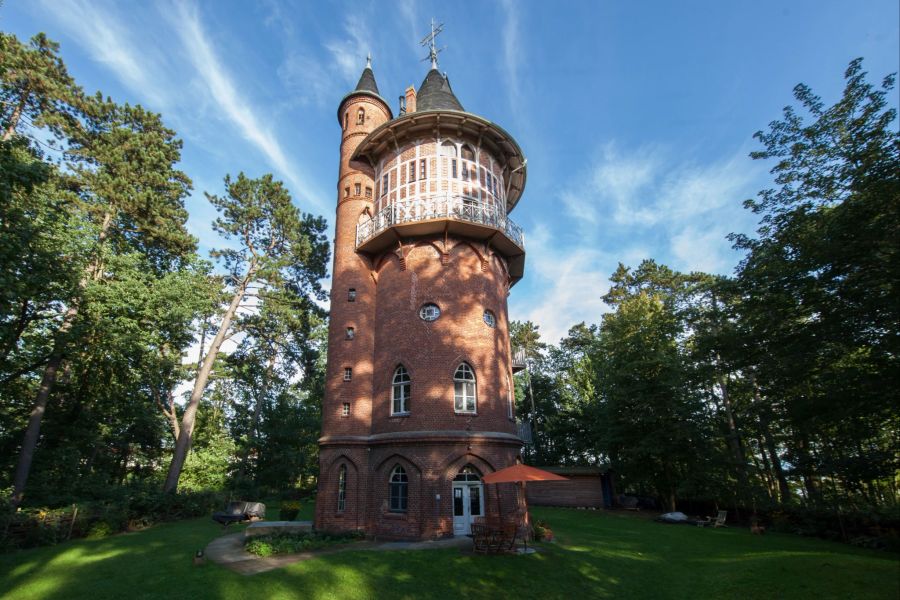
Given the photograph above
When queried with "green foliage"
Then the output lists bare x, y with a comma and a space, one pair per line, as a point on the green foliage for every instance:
208, 467
291, 543
121, 509
102, 293
769, 391
289, 510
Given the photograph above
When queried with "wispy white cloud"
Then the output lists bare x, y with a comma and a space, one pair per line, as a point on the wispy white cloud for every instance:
414, 27
313, 80
626, 207
232, 104
512, 52
569, 284
348, 54
654, 193
108, 41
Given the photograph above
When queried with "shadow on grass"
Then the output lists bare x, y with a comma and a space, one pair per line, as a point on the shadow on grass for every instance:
597, 555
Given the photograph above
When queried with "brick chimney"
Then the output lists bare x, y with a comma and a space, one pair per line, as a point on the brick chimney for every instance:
410, 99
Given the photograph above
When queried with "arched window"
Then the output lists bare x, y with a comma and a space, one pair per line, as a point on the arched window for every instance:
361, 117
400, 391
398, 490
342, 487
468, 474
464, 389
467, 152
448, 148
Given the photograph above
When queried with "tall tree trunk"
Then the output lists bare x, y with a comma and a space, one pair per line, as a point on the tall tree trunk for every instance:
765, 469
183, 443
784, 490
734, 440
48, 380
14, 118
33, 431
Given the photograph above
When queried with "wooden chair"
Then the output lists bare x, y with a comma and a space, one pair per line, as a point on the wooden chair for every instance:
720, 519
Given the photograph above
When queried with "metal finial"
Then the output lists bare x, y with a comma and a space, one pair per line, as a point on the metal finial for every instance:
429, 40
369, 60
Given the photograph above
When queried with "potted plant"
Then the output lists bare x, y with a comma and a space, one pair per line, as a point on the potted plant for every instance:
289, 510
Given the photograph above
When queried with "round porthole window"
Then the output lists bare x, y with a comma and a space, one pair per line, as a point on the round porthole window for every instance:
489, 319
429, 312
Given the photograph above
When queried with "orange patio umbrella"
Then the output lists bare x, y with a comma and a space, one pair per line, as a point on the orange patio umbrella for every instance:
519, 473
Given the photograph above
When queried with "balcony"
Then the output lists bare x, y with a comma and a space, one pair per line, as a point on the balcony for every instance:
518, 361
444, 214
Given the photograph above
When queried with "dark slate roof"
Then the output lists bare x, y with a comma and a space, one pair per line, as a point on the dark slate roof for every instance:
367, 82
435, 94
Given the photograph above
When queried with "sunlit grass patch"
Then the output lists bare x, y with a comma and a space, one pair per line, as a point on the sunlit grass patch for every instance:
596, 555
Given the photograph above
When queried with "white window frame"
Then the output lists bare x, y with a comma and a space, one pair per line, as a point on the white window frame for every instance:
342, 488
348, 373
427, 314
465, 389
401, 391
401, 480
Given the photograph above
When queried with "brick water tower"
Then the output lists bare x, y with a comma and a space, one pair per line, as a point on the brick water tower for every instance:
419, 402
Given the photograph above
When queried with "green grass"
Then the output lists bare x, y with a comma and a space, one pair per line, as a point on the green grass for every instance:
597, 555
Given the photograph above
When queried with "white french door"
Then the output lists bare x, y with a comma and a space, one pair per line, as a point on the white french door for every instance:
468, 503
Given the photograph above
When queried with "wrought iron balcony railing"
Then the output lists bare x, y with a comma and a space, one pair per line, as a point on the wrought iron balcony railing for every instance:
457, 208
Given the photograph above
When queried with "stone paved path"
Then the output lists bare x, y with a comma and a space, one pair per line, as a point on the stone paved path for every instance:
228, 551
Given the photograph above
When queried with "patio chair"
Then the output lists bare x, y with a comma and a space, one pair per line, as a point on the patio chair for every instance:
719, 521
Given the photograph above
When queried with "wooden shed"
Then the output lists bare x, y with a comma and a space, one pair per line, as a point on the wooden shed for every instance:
588, 487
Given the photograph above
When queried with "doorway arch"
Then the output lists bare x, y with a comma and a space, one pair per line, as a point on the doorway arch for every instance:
468, 499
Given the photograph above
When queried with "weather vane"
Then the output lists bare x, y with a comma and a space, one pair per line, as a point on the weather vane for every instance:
429, 40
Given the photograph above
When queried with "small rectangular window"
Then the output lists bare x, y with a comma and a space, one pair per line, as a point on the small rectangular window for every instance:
345, 410
384, 184
465, 171
350, 333
351, 295
346, 192
368, 192
412, 170
488, 181
348, 373
423, 168
357, 189
453, 168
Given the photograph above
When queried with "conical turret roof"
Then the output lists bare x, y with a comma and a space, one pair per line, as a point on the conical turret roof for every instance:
435, 93
366, 86
367, 82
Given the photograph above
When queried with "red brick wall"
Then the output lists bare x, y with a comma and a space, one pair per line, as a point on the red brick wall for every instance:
430, 469
579, 490
433, 443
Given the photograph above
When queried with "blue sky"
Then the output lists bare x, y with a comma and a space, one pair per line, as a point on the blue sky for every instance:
636, 117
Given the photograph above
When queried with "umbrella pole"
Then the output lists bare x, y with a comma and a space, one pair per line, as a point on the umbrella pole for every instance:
524, 518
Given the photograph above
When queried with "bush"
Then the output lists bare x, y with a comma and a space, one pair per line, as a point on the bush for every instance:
289, 510
125, 509
291, 543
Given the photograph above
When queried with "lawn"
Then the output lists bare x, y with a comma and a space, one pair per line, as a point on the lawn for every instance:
597, 555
